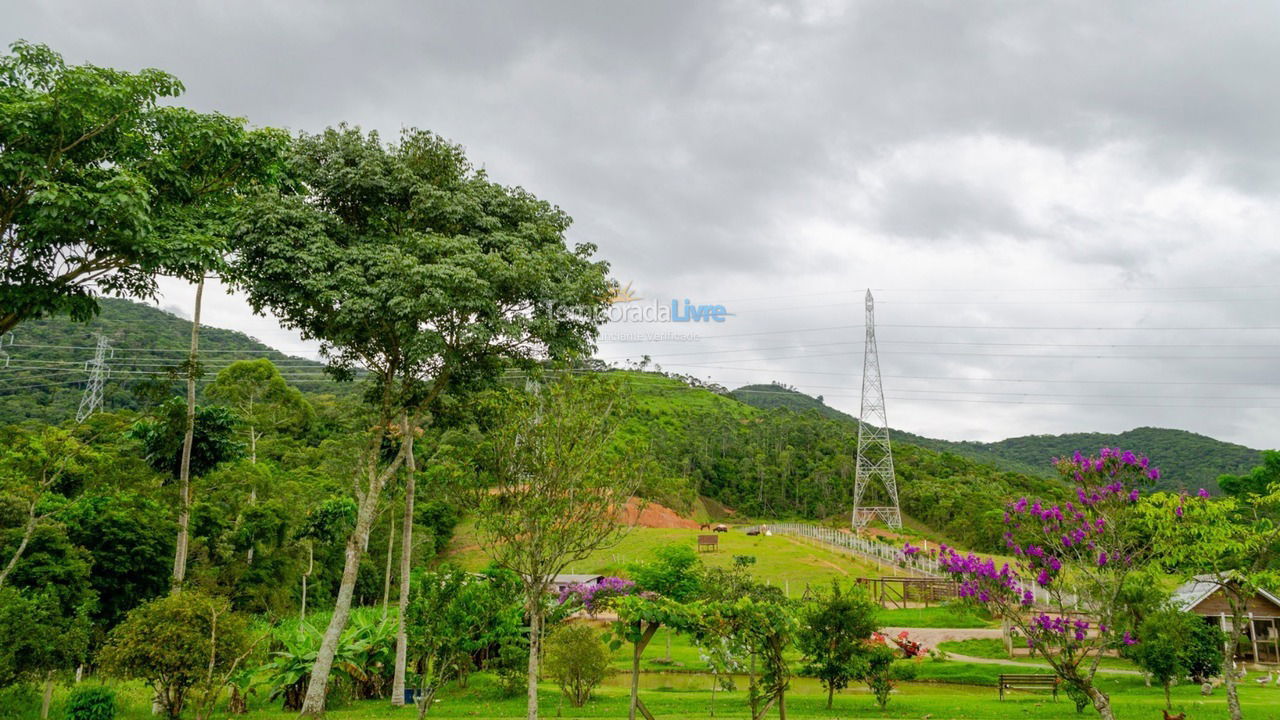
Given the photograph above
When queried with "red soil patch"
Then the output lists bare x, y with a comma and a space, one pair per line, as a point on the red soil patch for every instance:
655, 516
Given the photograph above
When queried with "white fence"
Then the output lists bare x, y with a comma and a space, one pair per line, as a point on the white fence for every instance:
873, 550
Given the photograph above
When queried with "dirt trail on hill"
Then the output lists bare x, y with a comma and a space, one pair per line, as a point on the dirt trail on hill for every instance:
654, 515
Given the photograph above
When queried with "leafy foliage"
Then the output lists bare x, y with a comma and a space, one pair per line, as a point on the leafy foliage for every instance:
91, 702
101, 187
177, 642
833, 632
162, 437
577, 660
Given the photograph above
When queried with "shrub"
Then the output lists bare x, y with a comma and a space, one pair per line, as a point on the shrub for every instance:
577, 660
176, 643
91, 702
18, 700
879, 672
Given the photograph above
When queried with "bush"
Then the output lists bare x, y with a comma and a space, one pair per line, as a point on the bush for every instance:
20, 700
91, 702
879, 672
170, 642
577, 660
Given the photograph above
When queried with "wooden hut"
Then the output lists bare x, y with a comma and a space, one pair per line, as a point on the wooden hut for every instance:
1204, 595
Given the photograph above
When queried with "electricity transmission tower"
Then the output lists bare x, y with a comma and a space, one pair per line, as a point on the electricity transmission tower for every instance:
875, 457
91, 400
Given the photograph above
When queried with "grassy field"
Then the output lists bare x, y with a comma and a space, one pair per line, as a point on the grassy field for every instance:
780, 560
934, 617
686, 696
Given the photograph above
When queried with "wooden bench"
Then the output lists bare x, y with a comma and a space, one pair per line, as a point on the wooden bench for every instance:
708, 542
1029, 682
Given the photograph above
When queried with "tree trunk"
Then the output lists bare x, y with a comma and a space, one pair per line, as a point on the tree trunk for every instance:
317, 688
27, 532
782, 704
47, 700
1168, 701
1101, 702
636, 649
831, 695
535, 648
406, 562
1233, 693
311, 566
184, 469
386, 578
1229, 658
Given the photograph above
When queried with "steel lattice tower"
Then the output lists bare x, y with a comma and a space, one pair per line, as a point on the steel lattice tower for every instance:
875, 456
91, 400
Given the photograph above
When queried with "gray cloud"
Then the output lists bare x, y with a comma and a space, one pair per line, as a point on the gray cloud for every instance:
782, 157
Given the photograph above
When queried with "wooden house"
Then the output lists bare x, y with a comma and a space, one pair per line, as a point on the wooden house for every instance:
1205, 596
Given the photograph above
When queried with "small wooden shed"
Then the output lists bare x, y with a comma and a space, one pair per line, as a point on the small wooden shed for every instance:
1204, 595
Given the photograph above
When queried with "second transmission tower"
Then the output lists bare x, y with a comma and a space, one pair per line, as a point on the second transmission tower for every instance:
91, 400
875, 456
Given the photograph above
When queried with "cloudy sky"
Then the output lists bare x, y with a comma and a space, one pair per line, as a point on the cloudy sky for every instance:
1068, 215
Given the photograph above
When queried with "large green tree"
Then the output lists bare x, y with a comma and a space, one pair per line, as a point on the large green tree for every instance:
102, 188
406, 262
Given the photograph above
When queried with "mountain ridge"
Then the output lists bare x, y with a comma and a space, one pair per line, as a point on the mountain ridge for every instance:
1188, 460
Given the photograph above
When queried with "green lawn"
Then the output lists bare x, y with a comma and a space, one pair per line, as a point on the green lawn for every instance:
687, 696
934, 617
991, 648
781, 561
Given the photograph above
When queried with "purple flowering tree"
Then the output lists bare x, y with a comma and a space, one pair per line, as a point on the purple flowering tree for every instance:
593, 598
1063, 590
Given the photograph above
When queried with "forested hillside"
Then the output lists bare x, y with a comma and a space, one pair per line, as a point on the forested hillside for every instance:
1189, 461
46, 371
777, 463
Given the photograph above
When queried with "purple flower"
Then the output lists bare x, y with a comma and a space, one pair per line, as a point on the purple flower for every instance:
1129, 639
1102, 559
909, 549
1154, 473
1178, 511
1203, 493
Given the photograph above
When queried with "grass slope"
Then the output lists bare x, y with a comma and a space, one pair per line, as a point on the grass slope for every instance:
781, 561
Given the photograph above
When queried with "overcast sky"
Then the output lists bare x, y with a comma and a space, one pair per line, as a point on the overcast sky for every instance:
1078, 198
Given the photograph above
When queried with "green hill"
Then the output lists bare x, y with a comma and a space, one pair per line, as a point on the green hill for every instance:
46, 371
1187, 460
779, 462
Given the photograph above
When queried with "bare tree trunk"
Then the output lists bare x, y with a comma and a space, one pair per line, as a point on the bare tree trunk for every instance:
1229, 657
636, 649
406, 562
318, 686
184, 470
1101, 702
535, 648
386, 579
47, 700
311, 565
27, 532
1233, 693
